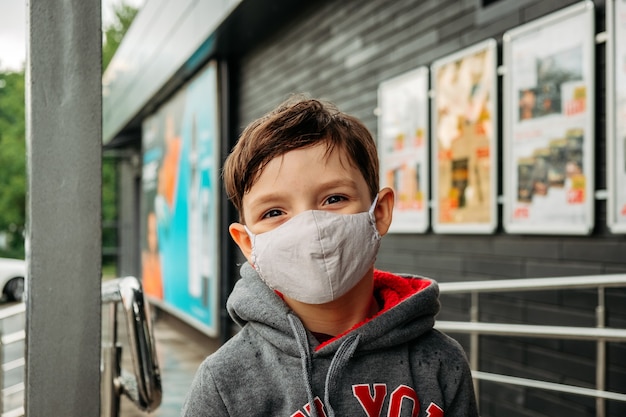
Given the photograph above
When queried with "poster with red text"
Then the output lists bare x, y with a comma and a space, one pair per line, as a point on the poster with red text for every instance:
616, 115
549, 124
464, 149
403, 147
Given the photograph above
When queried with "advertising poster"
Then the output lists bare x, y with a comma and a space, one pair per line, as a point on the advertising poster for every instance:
180, 185
403, 147
464, 148
549, 120
616, 115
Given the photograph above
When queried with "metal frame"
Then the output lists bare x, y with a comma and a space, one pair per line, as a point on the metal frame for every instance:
599, 334
613, 9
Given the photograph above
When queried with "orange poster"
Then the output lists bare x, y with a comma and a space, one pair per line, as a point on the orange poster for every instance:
463, 139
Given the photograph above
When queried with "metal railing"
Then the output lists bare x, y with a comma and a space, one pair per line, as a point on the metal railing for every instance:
13, 394
600, 334
143, 386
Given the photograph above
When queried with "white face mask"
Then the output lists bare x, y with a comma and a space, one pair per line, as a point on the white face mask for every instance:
317, 256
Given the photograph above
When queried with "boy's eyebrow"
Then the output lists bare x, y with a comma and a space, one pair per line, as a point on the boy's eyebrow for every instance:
340, 182
265, 198
273, 196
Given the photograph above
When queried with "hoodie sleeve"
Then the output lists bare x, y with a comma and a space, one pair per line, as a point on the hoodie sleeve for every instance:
456, 380
203, 398
463, 402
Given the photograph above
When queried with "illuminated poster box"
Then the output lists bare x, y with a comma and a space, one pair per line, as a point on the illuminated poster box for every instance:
180, 200
549, 124
403, 147
464, 146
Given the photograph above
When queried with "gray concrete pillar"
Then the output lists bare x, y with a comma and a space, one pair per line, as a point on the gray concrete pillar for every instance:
64, 146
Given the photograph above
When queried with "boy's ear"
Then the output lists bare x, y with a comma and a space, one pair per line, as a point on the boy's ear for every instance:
384, 210
242, 239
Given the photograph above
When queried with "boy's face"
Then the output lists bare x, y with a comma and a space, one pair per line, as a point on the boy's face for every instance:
307, 179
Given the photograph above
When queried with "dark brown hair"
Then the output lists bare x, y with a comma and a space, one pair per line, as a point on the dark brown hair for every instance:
295, 124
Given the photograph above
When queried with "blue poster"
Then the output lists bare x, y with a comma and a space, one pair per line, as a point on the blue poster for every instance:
180, 188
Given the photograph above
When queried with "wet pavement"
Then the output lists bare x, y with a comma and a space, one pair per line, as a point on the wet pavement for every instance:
180, 350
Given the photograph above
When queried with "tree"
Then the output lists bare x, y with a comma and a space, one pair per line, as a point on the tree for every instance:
12, 164
114, 33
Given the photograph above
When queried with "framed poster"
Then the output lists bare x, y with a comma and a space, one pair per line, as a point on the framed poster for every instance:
464, 147
616, 115
403, 147
549, 124
180, 200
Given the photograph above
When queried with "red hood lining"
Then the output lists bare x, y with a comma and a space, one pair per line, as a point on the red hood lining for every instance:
389, 290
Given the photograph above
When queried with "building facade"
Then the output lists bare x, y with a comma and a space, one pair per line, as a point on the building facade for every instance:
200, 72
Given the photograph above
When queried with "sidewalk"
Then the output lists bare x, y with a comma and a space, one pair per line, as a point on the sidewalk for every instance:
180, 350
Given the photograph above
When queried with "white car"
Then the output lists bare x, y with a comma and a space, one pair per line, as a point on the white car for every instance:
12, 274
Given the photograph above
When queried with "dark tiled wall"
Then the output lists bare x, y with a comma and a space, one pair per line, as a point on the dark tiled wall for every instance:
341, 51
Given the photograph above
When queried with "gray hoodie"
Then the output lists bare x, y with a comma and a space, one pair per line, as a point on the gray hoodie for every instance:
393, 364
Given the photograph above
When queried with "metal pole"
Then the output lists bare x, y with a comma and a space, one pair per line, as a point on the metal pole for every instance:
475, 342
111, 356
63, 253
600, 355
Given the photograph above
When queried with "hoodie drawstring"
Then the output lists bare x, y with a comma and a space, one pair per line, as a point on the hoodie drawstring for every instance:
305, 359
337, 364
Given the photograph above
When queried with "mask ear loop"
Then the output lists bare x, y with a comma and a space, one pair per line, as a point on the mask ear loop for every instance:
252, 237
372, 217
373, 206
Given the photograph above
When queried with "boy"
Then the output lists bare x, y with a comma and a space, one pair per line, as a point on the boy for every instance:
323, 333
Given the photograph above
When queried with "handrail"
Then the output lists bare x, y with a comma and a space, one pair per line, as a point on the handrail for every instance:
533, 383
534, 284
561, 332
143, 386
600, 334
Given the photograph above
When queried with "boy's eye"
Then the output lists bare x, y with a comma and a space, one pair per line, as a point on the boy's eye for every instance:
334, 199
272, 213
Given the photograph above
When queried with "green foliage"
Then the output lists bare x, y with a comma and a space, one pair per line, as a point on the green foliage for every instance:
12, 163
113, 34
13, 151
